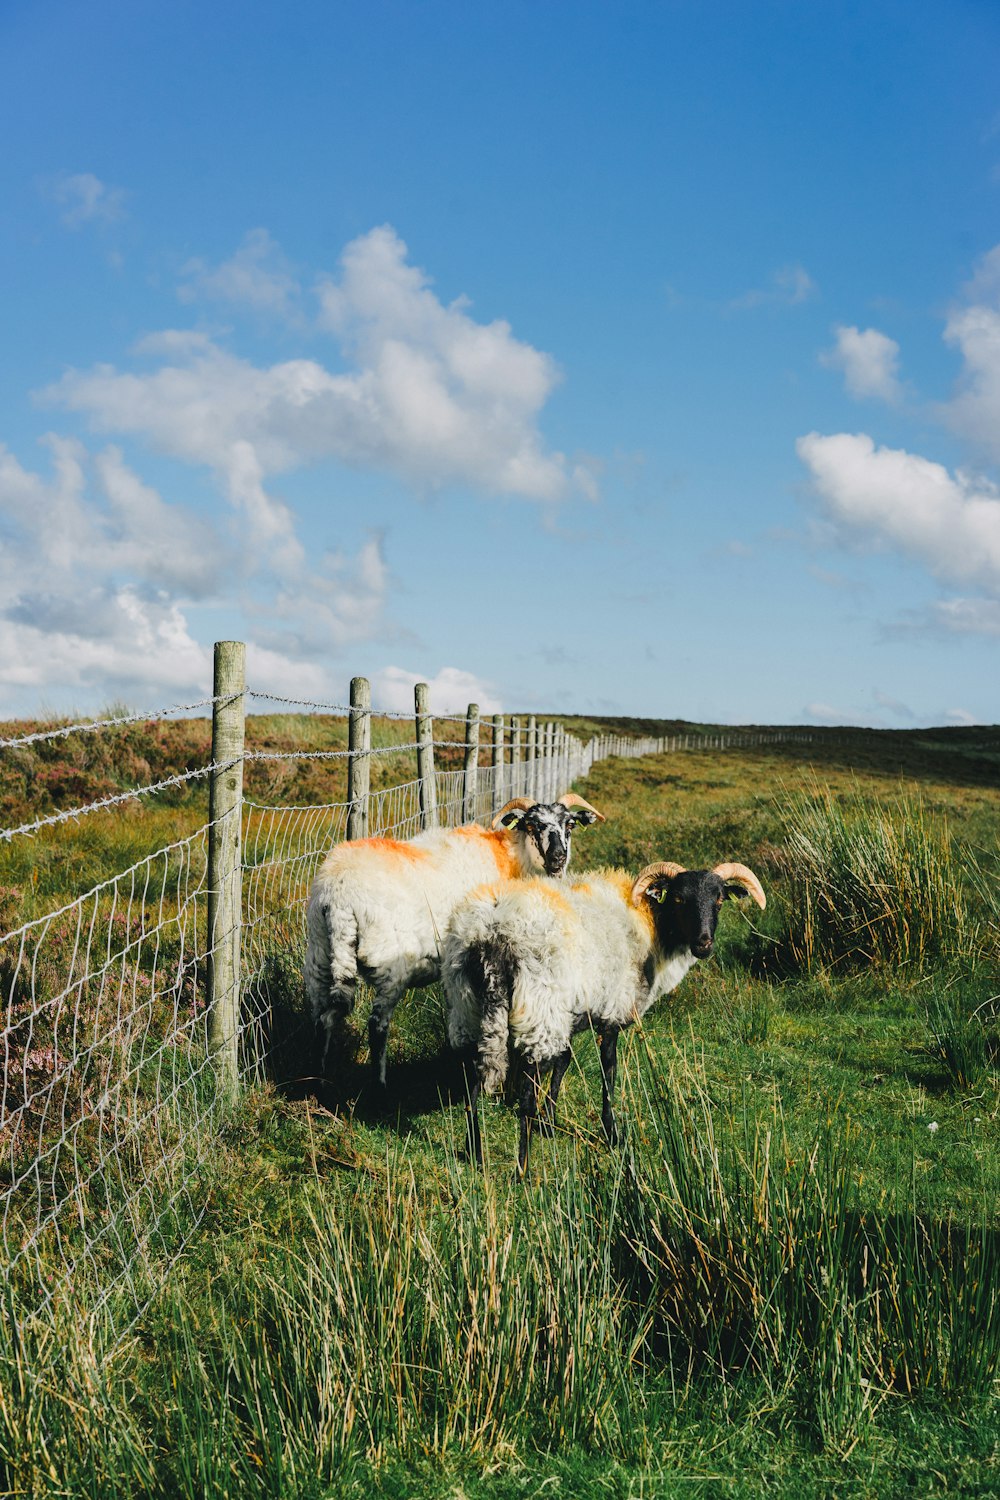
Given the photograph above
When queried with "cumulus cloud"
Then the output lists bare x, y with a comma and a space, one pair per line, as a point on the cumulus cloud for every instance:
869, 361
99, 577
789, 286
258, 276
85, 199
434, 397
974, 410
948, 522
450, 691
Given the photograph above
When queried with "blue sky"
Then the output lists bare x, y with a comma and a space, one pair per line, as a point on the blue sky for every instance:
632, 358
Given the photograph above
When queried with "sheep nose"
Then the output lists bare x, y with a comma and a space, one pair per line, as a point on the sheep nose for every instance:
702, 948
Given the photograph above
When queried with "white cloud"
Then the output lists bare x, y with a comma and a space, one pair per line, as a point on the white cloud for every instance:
789, 286
257, 275
973, 328
435, 397
99, 576
825, 713
967, 616
974, 410
85, 199
894, 706
950, 523
450, 691
961, 717
869, 361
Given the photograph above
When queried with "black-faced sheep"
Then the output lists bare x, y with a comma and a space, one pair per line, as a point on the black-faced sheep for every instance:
529, 964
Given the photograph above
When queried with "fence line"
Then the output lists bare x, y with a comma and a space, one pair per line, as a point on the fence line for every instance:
132, 1012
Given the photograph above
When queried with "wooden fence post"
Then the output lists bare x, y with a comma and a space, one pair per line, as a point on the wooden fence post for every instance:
470, 777
359, 766
225, 894
516, 789
498, 763
530, 758
425, 757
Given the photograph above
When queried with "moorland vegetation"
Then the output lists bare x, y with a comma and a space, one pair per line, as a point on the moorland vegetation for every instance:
786, 1279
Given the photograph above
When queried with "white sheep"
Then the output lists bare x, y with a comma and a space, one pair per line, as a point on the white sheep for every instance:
379, 907
529, 964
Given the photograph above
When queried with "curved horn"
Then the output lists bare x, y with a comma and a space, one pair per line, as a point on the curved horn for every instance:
743, 877
649, 874
570, 799
523, 803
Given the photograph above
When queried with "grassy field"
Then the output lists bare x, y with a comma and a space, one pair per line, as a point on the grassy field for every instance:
784, 1280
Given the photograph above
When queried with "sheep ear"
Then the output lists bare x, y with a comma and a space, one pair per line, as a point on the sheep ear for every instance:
512, 813
663, 870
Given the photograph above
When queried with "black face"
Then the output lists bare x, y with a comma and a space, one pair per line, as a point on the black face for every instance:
686, 909
548, 828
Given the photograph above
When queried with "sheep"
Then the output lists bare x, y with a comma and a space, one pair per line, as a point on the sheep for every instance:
529, 964
379, 907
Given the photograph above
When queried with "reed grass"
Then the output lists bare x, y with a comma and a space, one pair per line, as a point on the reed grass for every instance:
868, 883
458, 1317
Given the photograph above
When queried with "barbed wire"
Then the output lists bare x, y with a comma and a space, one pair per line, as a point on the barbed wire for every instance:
67, 729
345, 708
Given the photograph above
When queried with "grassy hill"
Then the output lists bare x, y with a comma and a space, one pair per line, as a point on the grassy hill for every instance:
783, 1281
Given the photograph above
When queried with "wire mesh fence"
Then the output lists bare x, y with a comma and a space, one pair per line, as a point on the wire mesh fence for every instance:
110, 1103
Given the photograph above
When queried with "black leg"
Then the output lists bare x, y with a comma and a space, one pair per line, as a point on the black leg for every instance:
378, 1041
547, 1121
330, 1042
529, 1113
473, 1087
609, 1068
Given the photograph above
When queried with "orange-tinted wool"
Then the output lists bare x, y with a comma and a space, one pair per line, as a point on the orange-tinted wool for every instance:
387, 849
499, 846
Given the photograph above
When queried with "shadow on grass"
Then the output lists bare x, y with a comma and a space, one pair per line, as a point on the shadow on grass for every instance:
427, 1079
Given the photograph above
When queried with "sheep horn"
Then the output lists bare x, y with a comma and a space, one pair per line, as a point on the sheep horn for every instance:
570, 799
522, 803
743, 877
649, 874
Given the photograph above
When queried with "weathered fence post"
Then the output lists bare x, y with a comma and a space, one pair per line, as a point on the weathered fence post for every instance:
225, 895
530, 759
498, 763
516, 789
359, 766
425, 757
470, 776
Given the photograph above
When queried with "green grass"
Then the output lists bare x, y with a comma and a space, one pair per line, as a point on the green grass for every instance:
782, 1282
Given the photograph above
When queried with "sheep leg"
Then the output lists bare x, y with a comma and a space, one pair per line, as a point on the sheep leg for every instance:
547, 1119
329, 1024
378, 1037
528, 1113
609, 1069
473, 1088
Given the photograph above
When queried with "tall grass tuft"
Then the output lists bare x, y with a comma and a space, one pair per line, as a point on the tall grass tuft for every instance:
958, 1025
461, 1317
869, 884
758, 1260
